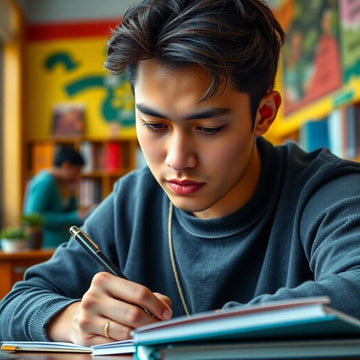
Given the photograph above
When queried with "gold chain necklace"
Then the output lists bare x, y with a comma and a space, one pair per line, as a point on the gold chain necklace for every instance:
173, 264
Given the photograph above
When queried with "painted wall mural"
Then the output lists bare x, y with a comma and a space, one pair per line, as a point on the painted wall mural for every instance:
71, 70
311, 65
321, 56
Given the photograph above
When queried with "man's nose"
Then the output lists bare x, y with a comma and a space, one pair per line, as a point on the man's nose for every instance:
180, 152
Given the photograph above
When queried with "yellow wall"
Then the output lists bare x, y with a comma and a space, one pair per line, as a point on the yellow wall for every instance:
36, 77
66, 71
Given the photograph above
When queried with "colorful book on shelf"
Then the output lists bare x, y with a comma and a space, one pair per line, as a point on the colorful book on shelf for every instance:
113, 156
87, 150
90, 192
41, 156
353, 131
337, 126
314, 135
99, 158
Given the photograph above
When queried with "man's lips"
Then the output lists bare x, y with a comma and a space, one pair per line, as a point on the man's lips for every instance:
184, 187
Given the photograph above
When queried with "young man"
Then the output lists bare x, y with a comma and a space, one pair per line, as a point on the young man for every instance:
219, 215
51, 193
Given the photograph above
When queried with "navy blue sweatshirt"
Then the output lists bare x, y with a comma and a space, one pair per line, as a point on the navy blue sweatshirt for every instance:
298, 236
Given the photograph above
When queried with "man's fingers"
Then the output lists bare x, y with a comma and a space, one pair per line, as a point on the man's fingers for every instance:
135, 294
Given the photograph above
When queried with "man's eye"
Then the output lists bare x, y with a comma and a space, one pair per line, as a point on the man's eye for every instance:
209, 130
155, 126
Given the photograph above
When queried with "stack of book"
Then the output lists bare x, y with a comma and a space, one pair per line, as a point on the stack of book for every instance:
299, 328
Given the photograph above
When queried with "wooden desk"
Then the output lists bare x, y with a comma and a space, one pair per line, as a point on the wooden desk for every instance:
13, 266
67, 356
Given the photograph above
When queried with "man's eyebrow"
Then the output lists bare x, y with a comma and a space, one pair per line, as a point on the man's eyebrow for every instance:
208, 113
201, 114
149, 111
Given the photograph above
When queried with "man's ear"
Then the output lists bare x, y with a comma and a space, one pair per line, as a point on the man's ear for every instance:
266, 112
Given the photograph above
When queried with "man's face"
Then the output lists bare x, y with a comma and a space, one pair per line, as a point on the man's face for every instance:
203, 154
71, 173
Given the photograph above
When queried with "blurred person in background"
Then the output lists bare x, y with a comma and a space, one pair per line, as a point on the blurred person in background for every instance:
52, 193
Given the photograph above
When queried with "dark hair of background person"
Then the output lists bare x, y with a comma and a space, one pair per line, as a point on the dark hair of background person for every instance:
236, 40
68, 154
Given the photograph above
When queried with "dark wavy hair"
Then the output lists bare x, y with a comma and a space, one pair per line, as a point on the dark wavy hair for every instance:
68, 154
237, 41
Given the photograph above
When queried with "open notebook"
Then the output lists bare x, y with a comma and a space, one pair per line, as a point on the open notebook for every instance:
118, 347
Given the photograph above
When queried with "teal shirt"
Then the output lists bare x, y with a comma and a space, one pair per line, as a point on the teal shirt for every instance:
43, 196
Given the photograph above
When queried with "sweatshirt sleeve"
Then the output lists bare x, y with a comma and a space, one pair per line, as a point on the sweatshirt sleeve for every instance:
51, 286
45, 291
329, 233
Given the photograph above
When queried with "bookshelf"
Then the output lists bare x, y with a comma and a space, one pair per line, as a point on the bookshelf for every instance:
338, 130
288, 127
107, 159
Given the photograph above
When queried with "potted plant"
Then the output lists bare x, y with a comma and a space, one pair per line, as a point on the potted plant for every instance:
33, 223
13, 239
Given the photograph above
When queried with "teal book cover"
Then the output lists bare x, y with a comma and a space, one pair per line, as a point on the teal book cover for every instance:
299, 318
314, 134
276, 349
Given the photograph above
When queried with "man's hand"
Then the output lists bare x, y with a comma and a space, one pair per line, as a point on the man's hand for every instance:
111, 300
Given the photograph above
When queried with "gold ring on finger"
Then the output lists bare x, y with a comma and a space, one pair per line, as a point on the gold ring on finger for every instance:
106, 329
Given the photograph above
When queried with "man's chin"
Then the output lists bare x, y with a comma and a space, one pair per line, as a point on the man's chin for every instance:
190, 206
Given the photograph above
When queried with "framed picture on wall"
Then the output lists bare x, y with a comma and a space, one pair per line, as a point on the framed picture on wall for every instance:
68, 119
